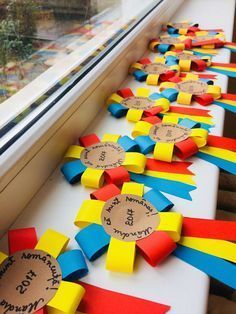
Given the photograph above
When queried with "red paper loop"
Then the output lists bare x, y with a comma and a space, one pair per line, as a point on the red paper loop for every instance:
117, 175
188, 43
156, 247
167, 75
204, 99
153, 111
105, 193
198, 65
207, 228
175, 79
222, 142
152, 119
125, 92
185, 148
88, 140
21, 239
42, 311
173, 167
190, 111
145, 61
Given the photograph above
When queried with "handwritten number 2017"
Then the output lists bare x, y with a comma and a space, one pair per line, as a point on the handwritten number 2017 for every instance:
22, 288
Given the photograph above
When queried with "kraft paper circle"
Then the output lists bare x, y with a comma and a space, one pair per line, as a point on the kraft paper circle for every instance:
180, 25
170, 40
192, 87
104, 155
187, 56
155, 68
168, 133
129, 217
203, 38
29, 279
141, 103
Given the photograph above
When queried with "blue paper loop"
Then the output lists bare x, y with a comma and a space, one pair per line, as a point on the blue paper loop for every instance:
145, 143
170, 93
73, 265
211, 265
117, 110
140, 75
93, 241
73, 171
128, 144
160, 202
155, 96
163, 48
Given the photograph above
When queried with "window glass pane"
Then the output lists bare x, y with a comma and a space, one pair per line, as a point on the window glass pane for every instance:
45, 43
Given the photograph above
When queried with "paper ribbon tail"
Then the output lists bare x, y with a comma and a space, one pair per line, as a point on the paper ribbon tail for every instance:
221, 163
175, 188
213, 266
225, 105
226, 72
180, 167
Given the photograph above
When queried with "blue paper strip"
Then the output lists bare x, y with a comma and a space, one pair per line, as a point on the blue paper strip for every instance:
225, 72
93, 240
188, 123
73, 265
211, 265
117, 110
156, 198
221, 163
179, 189
225, 106
128, 144
73, 171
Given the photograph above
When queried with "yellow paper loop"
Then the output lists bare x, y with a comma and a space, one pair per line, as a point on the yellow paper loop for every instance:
141, 128
219, 248
135, 162
199, 136
170, 53
133, 188
164, 103
219, 153
184, 98
110, 138
183, 31
172, 224
160, 60
73, 152
175, 67
179, 46
120, 256
3, 256
152, 79
142, 92
136, 66
89, 212
66, 299
114, 98
153, 45
214, 90
134, 115
185, 65
52, 242
191, 76
163, 151
169, 119
92, 178
165, 85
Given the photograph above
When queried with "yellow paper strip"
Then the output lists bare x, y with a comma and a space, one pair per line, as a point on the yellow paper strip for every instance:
185, 178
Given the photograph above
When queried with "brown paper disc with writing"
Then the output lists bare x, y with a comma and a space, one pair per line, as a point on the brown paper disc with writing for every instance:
180, 25
192, 87
103, 155
155, 68
29, 279
142, 103
128, 217
187, 56
170, 40
168, 133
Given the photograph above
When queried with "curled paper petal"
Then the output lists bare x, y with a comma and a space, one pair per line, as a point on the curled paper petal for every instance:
73, 171
155, 197
106, 192
21, 239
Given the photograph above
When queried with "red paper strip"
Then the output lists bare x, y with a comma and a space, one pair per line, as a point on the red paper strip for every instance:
42, 311
153, 111
156, 247
88, 140
186, 148
117, 175
207, 228
230, 43
125, 92
190, 111
204, 99
21, 239
228, 65
145, 61
180, 167
207, 42
228, 96
222, 142
101, 301
152, 119
105, 193
201, 75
